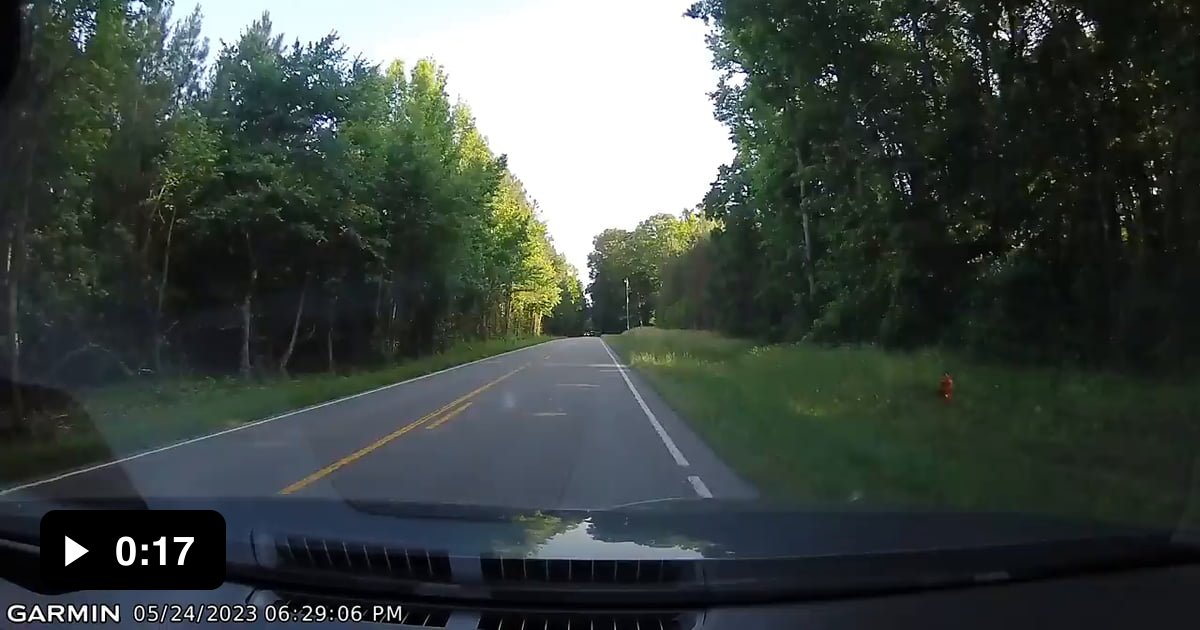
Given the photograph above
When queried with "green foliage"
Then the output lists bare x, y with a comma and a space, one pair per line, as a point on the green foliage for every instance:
287, 207
1011, 178
569, 317
638, 257
835, 424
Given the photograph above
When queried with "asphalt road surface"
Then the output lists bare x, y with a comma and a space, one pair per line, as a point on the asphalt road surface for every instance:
557, 425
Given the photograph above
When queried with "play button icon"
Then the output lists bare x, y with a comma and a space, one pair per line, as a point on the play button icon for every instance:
72, 551
94, 549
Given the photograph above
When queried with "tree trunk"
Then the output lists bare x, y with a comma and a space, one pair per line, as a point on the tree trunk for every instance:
15, 269
329, 332
291, 347
391, 330
159, 335
808, 264
376, 342
16, 248
244, 366
508, 303
916, 12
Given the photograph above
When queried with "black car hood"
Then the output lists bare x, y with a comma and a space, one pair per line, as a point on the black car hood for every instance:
685, 552
670, 529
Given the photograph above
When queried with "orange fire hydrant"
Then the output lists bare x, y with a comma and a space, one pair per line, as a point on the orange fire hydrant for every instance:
946, 387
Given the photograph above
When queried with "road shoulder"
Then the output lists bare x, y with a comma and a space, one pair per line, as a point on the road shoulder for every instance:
706, 472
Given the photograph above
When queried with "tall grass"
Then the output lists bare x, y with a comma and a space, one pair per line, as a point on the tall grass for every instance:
136, 417
816, 423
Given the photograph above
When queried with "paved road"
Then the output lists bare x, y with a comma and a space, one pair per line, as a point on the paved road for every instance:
558, 425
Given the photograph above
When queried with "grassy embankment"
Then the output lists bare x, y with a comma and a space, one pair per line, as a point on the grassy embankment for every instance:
825, 424
136, 417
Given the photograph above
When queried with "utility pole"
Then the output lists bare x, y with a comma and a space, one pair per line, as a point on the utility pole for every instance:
626, 303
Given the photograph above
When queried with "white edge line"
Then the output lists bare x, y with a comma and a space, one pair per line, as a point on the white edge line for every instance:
699, 487
662, 433
254, 423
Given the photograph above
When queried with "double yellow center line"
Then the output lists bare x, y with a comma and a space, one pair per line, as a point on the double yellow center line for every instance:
454, 408
446, 418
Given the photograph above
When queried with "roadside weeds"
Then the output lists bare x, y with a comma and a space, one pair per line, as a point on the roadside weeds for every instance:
857, 424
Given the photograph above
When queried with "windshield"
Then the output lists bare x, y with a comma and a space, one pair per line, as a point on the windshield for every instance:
542, 257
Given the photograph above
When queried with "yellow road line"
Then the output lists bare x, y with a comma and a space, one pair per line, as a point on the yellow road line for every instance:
351, 458
450, 414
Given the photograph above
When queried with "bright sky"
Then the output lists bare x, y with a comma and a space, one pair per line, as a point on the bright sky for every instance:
602, 108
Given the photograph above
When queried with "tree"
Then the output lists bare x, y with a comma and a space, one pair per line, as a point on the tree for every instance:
638, 256
289, 207
570, 314
1002, 177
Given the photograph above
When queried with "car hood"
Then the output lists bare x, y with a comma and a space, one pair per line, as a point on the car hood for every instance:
682, 552
680, 529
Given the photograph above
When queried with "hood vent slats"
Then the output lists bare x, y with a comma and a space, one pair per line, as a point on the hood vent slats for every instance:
564, 571
362, 559
583, 621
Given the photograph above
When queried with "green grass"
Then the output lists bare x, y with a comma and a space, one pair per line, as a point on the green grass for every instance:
137, 417
823, 424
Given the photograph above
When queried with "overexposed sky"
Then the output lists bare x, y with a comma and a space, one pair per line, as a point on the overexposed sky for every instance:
602, 108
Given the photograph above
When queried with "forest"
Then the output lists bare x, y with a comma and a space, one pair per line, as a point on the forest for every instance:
638, 255
1013, 179
266, 207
